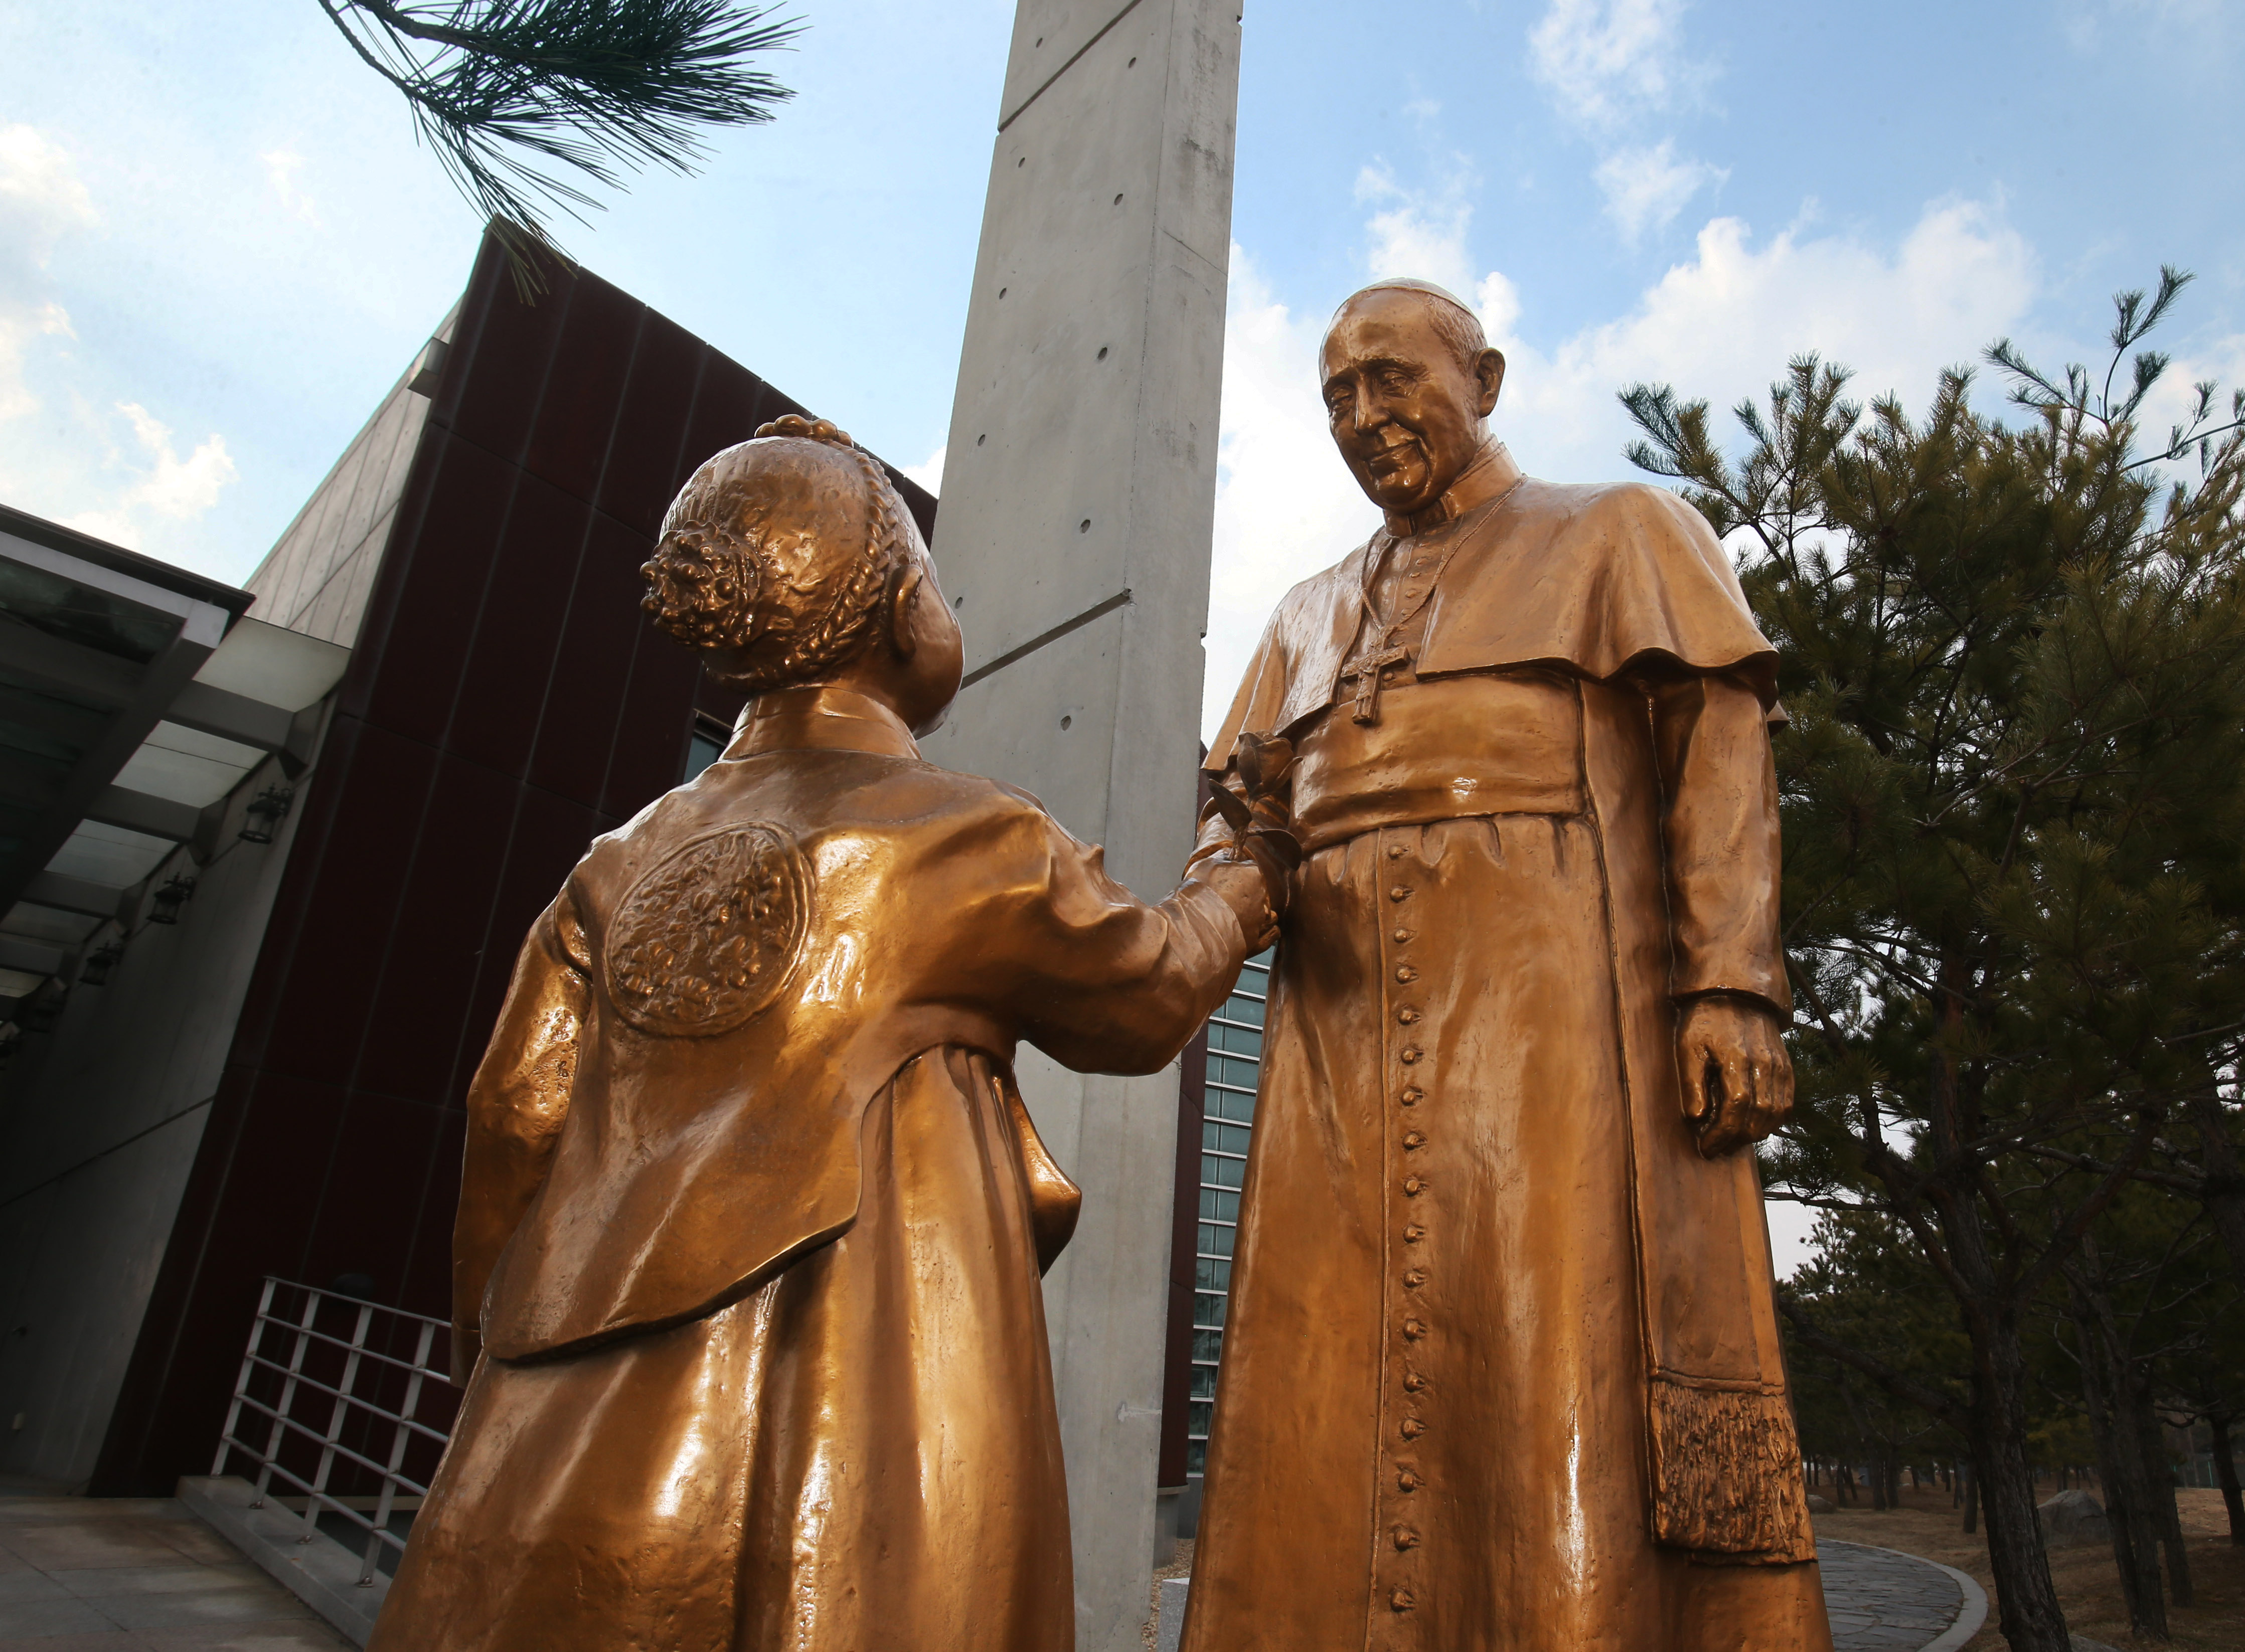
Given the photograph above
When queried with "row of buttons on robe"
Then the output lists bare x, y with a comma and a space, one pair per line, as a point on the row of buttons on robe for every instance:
1414, 1328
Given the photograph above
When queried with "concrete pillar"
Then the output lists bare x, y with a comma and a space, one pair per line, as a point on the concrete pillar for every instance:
1078, 497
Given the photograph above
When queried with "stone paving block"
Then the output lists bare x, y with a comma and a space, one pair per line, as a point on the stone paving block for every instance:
220, 1603
276, 1635
59, 1546
139, 1575
153, 1579
27, 1620
31, 1584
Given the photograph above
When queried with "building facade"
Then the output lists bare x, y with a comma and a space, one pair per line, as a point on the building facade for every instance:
473, 560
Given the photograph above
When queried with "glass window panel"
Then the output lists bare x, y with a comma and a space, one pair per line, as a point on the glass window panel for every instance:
1211, 1273
1216, 1242
1229, 1104
1227, 1204
1208, 1346
77, 614
1204, 1382
701, 750
1229, 1138
1196, 1457
1199, 1413
1223, 1173
1230, 1069
1240, 1008
1208, 1311
1239, 1039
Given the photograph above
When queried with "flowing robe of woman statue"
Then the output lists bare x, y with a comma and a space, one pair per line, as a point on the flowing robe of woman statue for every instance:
752, 1215
1501, 1369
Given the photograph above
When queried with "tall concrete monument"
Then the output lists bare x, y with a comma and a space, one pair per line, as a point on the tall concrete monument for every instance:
1078, 496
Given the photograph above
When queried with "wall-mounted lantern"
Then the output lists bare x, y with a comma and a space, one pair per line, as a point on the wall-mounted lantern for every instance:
266, 812
170, 897
99, 962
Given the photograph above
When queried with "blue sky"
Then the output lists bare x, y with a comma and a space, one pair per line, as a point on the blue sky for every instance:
218, 243
220, 246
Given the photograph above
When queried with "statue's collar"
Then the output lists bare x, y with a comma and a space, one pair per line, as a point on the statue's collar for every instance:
820, 718
1492, 472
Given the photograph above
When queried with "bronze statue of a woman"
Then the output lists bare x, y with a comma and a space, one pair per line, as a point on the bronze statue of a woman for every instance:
752, 1216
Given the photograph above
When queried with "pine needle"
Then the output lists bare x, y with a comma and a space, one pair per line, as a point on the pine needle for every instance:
515, 96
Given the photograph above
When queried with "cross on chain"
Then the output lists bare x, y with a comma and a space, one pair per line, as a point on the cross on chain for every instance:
1366, 668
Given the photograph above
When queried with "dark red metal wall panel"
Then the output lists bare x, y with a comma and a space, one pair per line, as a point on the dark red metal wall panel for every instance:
506, 703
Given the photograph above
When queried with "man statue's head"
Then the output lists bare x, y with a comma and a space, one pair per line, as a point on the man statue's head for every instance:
1409, 382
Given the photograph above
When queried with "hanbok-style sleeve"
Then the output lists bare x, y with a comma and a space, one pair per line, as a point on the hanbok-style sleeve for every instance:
516, 1107
1100, 980
1718, 823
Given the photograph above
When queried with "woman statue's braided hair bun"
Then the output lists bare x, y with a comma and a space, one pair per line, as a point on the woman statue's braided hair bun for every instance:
778, 552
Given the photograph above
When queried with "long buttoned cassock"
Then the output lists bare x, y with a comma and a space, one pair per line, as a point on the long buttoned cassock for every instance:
1501, 1367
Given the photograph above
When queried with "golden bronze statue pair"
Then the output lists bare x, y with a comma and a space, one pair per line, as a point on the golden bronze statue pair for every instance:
752, 1215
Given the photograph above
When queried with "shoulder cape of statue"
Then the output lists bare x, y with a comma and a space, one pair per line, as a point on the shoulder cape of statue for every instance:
1602, 581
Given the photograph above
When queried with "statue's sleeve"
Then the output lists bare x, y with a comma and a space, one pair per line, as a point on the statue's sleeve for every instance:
516, 1107
1719, 824
1100, 980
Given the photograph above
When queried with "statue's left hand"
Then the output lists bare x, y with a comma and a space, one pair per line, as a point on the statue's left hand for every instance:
1737, 1079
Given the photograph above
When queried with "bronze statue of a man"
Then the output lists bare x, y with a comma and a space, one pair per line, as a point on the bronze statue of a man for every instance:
1501, 1367
752, 1216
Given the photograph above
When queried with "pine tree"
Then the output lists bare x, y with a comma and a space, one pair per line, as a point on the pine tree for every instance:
2016, 675
505, 91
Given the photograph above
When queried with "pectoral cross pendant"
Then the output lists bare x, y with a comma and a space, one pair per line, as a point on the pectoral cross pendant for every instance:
1366, 668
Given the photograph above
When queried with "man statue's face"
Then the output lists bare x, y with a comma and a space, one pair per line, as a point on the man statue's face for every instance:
1406, 415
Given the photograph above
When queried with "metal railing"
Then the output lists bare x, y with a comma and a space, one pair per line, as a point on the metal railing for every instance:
334, 1461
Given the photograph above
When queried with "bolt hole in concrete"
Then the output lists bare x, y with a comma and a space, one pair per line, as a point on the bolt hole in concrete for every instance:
1118, 200
1021, 160
1084, 526
1133, 63
979, 440
1102, 350
1068, 722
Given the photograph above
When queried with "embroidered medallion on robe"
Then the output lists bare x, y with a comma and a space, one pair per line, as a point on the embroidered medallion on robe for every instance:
1501, 1369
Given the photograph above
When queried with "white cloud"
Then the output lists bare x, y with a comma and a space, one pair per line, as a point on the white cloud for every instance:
39, 183
1646, 187
1607, 61
1723, 323
929, 471
281, 166
1285, 505
1416, 234
167, 486
42, 200
1720, 325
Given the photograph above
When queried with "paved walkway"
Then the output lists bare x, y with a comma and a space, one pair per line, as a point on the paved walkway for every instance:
136, 1574
1879, 1600
1883, 1602
142, 1574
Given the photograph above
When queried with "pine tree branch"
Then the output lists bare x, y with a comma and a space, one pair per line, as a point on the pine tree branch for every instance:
498, 88
1929, 1400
